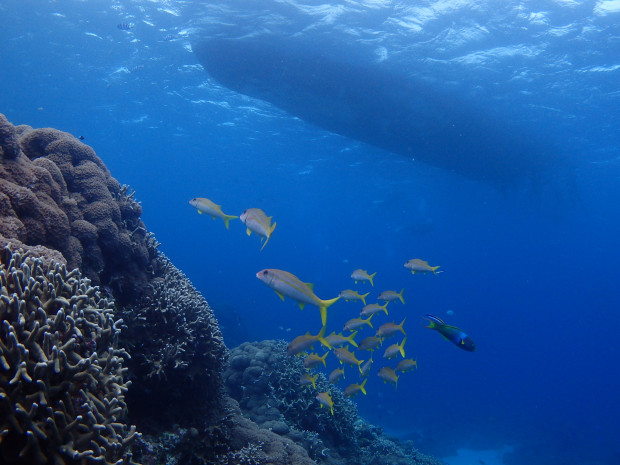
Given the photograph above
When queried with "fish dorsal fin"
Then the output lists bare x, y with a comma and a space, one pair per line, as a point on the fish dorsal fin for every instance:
310, 286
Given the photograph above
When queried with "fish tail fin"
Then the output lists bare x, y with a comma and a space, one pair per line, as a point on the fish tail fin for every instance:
350, 339
385, 308
268, 236
370, 277
364, 297
434, 322
362, 386
313, 379
401, 326
368, 320
434, 269
400, 295
323, 308
323, 359
401, 348
322, 340
227, 219
359, 365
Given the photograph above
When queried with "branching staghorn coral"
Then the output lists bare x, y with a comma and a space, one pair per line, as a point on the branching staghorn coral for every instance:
62, 387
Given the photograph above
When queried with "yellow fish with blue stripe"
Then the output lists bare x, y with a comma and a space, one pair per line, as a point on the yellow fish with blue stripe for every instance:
289, 285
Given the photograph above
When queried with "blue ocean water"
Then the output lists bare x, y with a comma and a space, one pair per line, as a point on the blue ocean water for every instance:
529, 272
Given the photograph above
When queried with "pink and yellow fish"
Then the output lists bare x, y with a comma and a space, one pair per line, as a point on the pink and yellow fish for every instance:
406, 365
306, 341
356, 323
215, 211
350, 295
325, 400
389, 329
353, 389
393, 350
370, 343
388, 296
256, 221
345, 356
313, 360
421, 266
371, 309
362, 275
335, 375
336, 340
289, 285
388, 375
307, 380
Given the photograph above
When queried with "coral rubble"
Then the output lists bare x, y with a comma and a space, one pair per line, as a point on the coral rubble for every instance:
62, 379
56, 192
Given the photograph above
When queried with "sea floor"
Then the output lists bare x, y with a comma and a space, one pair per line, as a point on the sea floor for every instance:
478, 457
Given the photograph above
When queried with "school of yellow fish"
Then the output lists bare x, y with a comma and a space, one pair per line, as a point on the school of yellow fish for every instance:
286, 284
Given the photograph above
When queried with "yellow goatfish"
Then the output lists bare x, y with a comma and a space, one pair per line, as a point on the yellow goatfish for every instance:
313, 360
305, 341
307, 380
325, 400
406, 365
256, 221
353, 389
350, 295
206, 206
335, 375
336, 340
395, 349
421, 266
389, 329
289, 285
362, 275
388, 296
345, 356
388, 375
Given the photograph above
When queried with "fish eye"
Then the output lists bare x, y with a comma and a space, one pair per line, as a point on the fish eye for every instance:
265, 272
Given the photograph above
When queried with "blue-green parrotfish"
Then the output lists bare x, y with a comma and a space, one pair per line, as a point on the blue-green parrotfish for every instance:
453, 334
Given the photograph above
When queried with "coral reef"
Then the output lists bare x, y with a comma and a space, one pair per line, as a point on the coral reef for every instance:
65, 353
177, 349
232, 440
56, 192
265, 381
62, 379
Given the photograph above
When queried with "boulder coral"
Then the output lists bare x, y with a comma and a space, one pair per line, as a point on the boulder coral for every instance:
62, 374
56, 192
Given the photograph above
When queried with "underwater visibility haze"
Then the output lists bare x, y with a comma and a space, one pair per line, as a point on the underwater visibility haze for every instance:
480, 136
